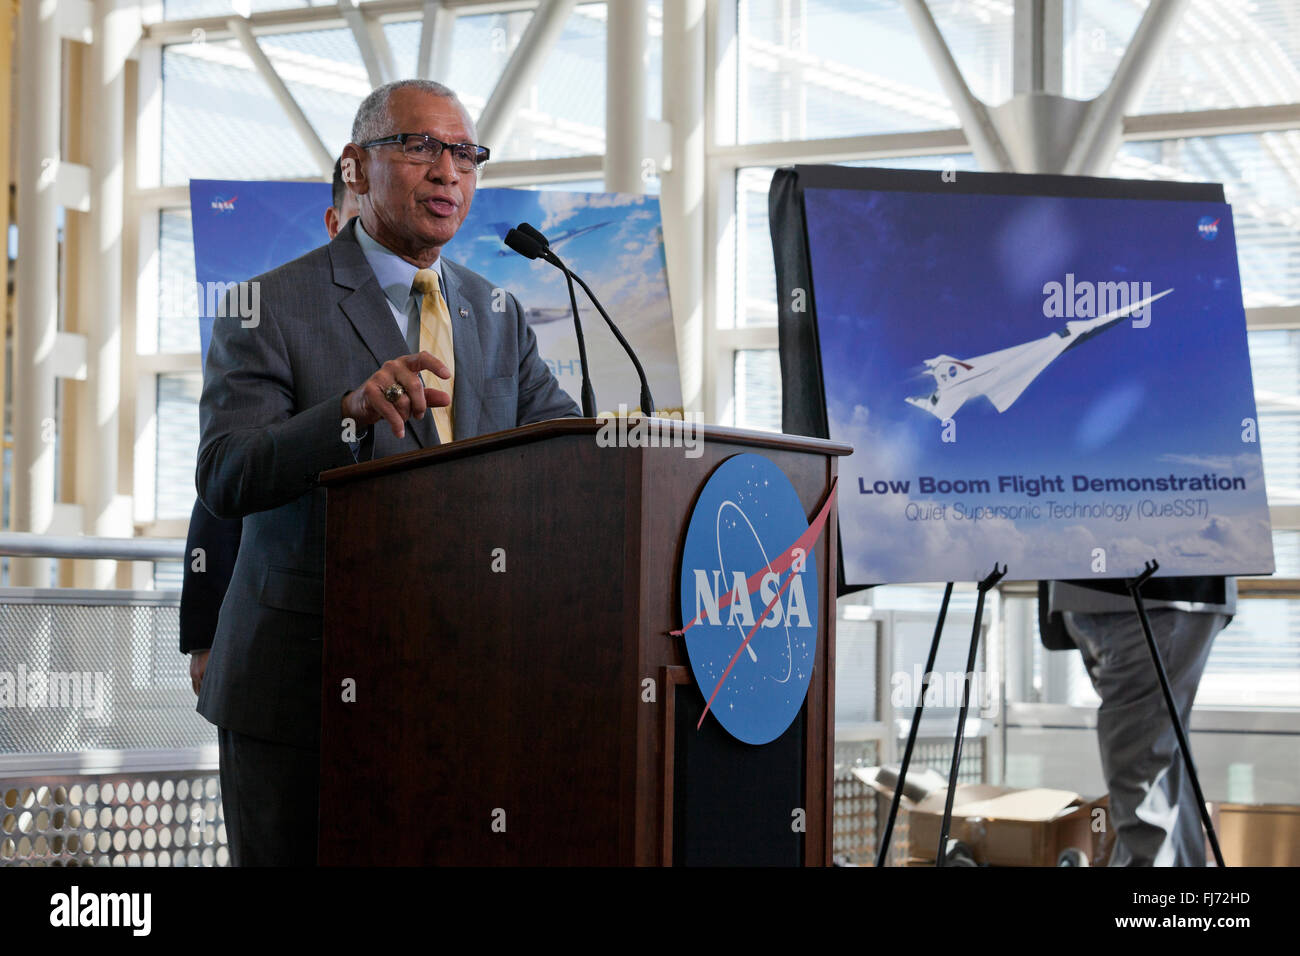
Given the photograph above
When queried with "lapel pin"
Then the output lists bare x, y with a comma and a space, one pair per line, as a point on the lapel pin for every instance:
464, 313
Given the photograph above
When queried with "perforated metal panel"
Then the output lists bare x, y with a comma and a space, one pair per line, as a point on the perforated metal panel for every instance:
860, 812
936, 755
90, 681
78, 673
113, 820
854, 835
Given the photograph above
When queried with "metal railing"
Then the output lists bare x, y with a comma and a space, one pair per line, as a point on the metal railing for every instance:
26, 544
103, 759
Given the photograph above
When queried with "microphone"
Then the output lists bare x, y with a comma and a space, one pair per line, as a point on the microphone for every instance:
528, 247
524, 244
534, 240
528, 230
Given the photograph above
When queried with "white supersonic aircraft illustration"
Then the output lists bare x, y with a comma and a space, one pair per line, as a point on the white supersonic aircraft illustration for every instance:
1003, 376
554, 240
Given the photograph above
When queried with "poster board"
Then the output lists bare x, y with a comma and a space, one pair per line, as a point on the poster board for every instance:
1046, 372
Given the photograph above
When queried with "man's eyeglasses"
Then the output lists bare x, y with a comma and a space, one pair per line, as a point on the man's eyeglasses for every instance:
466, 157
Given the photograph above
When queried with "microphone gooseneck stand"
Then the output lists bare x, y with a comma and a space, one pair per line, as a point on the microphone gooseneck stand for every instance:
525, 241
544, 250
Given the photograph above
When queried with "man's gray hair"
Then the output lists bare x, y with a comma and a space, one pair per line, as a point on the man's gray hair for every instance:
372, 120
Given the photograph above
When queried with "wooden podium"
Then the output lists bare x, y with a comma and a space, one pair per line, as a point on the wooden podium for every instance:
493, 609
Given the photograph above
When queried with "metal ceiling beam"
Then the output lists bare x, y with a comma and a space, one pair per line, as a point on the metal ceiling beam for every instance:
525, 63
384, 52
1038, 42
971, 113
371, 42
840, 148
433, 61
1243, 119
1102, 128
315, 18
528, 171
241, 31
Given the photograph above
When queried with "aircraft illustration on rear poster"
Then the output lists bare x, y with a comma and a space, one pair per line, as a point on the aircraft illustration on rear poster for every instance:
1003, 376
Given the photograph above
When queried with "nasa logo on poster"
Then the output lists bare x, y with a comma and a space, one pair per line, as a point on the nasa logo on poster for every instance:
1207, 227
749, 597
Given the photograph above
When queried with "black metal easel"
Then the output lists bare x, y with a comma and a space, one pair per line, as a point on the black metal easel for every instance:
1134, 588
984, 587
927, 676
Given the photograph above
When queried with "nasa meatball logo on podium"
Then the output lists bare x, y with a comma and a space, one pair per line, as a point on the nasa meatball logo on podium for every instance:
749, 598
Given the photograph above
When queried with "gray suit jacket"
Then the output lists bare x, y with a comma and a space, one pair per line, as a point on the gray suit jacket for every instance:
1065, 597
270, 423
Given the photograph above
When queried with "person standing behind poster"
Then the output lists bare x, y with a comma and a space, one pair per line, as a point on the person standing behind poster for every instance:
202, 591
1152, 802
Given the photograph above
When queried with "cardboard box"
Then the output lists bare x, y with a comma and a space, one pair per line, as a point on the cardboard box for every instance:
1008, 827
1257, 835
1003, 826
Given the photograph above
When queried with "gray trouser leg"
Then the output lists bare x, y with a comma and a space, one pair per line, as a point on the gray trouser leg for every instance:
1152, 804
270, 793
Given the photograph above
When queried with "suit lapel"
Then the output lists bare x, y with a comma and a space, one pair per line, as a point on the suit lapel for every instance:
467, 400
373, 321
367, 309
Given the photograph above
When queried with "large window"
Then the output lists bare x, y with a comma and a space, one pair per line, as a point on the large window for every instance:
815, 71
756, 379
1259, 175
219, 119
827, 68
783, 75
1224, 53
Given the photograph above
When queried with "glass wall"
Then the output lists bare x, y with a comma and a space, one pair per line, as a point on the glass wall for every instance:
787, 79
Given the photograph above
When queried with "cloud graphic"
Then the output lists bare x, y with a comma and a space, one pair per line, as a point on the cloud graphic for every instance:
882, 546
1212, 462
559, 207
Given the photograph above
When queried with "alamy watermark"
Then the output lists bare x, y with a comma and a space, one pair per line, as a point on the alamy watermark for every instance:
102, 909
638, 431
944, 689
218, 300
1084, 299
53, 690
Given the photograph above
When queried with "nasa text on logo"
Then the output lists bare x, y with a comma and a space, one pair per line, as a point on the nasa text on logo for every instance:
749, 597
221, 204
1207, 227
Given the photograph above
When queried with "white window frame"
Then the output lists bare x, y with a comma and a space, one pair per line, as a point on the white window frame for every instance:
724, 158
724, 338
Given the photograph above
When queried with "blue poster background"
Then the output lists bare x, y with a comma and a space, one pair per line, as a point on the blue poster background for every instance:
242, 229
613, 240
902, 277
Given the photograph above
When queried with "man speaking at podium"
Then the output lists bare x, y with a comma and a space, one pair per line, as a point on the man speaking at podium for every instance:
369, 346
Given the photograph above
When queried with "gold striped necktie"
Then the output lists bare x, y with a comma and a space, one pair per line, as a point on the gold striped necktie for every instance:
436, 338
